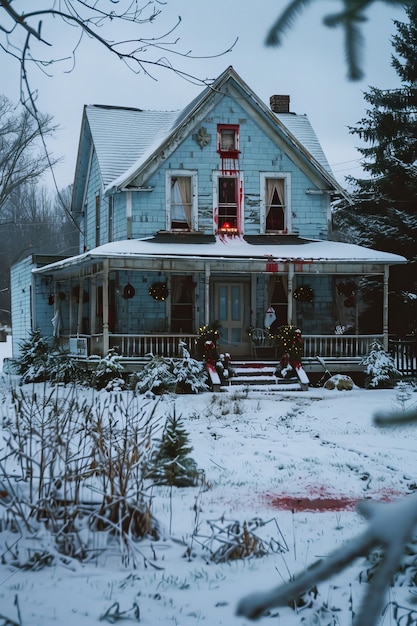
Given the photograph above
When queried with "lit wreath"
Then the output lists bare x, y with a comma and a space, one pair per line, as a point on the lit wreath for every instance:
159, 291
304, 294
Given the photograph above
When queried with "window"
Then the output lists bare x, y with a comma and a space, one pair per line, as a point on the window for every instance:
275, 215
228, 140
182, 298
181, 197
228, 204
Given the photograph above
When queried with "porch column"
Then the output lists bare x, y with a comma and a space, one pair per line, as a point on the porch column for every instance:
93, 304
80, 306
385, 308
290, 292
207, 293
105, 306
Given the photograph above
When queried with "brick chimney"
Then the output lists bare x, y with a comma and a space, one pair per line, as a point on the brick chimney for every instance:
279, 104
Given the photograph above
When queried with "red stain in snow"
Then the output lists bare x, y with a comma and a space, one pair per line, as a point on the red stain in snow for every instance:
299, 503
320, 500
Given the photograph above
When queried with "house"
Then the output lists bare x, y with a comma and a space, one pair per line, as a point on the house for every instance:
219, 212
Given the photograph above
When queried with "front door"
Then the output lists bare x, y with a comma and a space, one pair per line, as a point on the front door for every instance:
231, 305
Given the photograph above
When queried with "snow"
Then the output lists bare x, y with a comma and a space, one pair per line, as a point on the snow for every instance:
281, 457
236, 247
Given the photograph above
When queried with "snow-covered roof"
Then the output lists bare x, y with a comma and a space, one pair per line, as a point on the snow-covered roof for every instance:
223, 247
122, 136
300, 127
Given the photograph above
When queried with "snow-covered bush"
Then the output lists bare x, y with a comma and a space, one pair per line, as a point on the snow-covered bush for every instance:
108, 373
40, 360
224, 367
190, 375
230, 540
31, 365
380, 368
73, 477
164, 374
156, 376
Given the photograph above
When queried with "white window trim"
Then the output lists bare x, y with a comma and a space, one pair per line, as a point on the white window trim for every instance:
287, 190
194, 196
219, 174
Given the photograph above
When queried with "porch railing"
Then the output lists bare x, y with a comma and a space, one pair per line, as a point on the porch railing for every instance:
158, 345
404, 353
168, 344
338, 345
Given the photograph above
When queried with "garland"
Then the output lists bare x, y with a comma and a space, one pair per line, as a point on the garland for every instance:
159, 291
290, 340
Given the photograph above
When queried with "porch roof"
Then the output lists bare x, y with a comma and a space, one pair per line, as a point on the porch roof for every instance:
249, 248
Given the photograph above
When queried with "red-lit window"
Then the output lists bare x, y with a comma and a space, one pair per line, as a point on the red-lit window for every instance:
228, 140
228, 204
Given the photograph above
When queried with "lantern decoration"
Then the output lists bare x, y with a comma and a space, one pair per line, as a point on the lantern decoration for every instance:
303, 293
159, 291
128, 291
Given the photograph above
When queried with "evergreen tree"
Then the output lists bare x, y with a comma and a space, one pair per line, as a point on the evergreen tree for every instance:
381, 372
171, 464
381, 212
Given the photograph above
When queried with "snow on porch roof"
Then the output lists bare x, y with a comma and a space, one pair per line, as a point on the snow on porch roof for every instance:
281, 248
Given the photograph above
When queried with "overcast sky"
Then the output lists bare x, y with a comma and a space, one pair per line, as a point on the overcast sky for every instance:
309, 66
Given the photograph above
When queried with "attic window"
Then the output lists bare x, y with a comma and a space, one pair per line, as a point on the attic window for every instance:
228, 140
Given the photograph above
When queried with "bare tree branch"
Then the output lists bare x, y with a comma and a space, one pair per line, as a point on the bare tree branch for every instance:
22, 157
98, 21
390, 525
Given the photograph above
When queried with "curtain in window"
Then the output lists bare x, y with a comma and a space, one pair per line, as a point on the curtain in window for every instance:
181, 200
276, 283
272, 185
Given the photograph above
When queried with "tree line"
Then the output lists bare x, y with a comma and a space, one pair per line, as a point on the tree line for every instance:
33, 219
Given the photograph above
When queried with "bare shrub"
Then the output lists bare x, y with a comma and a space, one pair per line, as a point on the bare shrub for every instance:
230, 540
75, 470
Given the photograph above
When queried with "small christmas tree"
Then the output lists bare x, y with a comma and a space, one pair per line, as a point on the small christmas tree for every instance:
380, 368
171, 463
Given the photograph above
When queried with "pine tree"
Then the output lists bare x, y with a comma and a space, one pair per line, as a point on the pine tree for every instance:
171, 464
381, 372
381, 213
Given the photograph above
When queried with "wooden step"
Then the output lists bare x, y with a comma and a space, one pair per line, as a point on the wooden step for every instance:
256, 373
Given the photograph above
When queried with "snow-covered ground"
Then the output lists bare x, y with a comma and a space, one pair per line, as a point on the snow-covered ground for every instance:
298, 461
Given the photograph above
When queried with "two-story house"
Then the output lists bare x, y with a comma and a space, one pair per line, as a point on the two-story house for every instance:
219, 212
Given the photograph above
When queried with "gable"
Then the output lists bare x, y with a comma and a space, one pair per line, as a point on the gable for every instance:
131, 143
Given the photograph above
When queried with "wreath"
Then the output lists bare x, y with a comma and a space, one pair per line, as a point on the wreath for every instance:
303, 293
347, 288
159, 291
128, 291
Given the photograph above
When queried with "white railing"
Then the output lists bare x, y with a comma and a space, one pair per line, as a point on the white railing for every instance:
167, 344
338, 345
158, 345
